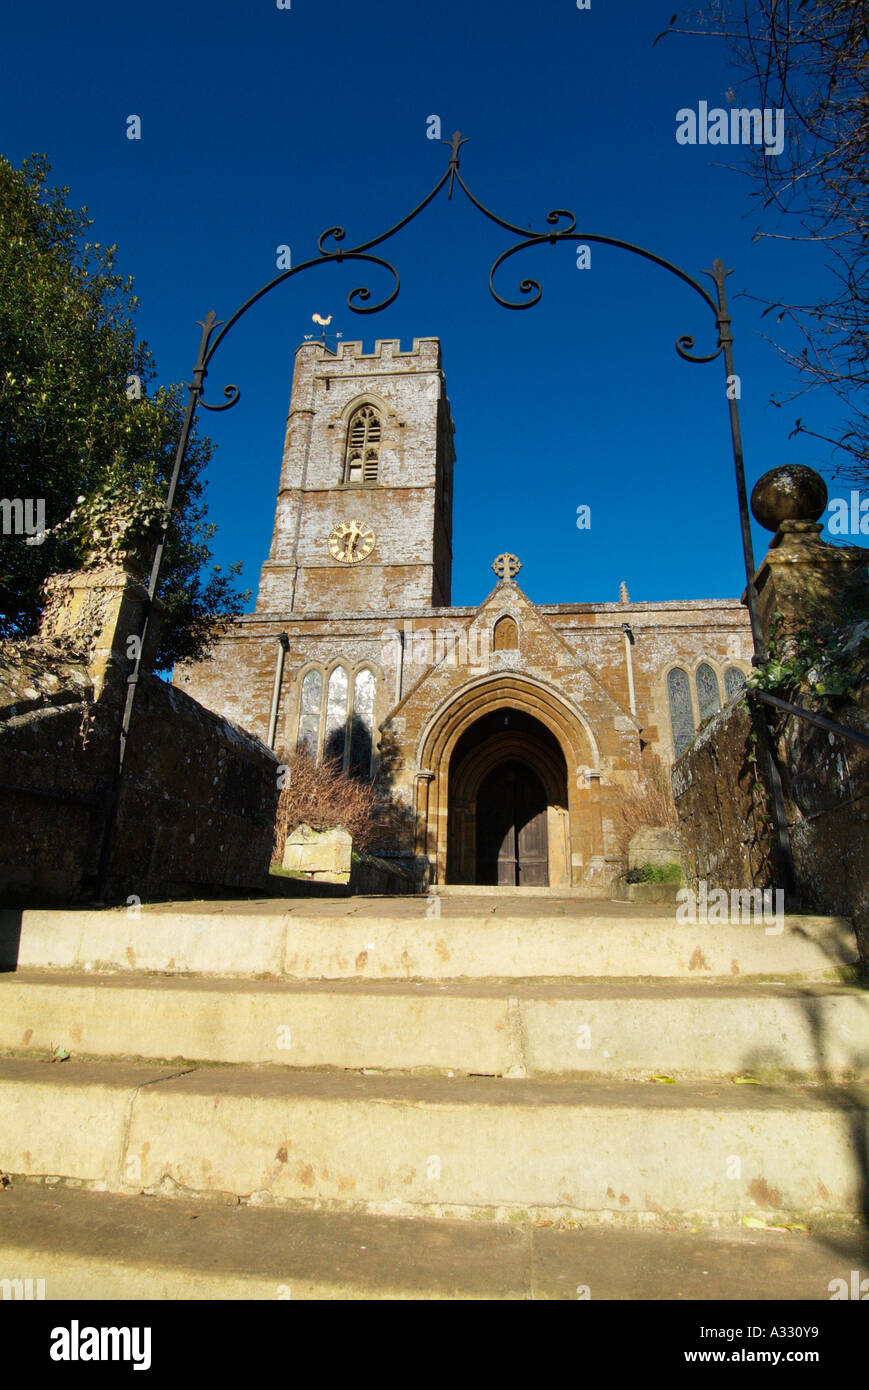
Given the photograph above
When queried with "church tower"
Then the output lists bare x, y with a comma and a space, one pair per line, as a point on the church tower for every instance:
364, 513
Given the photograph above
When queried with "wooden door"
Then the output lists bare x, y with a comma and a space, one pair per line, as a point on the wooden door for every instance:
532, 841
512, 841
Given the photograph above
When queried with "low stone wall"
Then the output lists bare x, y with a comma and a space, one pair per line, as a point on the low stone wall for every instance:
197, 809
55, 766
722, 804
646, 892
372, 875
199, 803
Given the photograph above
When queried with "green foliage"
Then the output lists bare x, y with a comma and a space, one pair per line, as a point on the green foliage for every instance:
828, 659
77, 421
655, 873
670, 873
117, 524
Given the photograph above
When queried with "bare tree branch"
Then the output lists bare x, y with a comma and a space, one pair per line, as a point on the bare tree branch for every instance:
810, 58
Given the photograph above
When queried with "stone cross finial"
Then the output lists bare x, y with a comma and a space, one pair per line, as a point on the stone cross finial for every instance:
506, 566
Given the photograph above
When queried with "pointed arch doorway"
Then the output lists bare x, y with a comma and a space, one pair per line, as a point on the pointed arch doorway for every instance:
508, 807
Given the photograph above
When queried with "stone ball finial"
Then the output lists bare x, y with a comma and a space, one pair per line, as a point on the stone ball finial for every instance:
792, 492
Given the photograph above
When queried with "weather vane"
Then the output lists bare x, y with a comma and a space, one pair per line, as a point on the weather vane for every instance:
324, 324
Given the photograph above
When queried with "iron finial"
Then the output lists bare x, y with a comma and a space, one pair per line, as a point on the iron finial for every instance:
455, 145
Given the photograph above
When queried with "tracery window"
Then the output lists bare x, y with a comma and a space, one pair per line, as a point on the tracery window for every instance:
341, 727
362, 724
681, 712
363, 447
734, 681
335, 735
708, 693
309, 713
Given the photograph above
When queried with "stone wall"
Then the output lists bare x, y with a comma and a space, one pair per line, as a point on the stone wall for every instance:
199, 802
722, 800
722, 804
55, 765
827, 788
238, 681
656, 845
198, 805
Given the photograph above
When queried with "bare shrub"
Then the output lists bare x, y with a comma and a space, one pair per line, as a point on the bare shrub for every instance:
322, 796
647, 801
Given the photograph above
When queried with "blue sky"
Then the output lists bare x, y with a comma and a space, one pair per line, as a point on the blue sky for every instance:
263, 127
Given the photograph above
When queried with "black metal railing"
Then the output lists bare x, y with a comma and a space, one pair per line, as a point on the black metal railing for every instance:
841, 730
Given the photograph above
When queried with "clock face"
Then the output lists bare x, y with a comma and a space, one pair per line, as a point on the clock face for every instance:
351, 541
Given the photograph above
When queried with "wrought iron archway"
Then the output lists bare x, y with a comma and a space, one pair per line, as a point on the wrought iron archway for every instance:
561, 227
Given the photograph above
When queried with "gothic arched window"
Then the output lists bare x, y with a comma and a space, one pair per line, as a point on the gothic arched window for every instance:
335, 736
363, 447
348, 728
734, 681
309, 713
506, 634
681, 713
362, 724
708, 693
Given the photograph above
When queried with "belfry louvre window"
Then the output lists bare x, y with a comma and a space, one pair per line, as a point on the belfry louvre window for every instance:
363, 448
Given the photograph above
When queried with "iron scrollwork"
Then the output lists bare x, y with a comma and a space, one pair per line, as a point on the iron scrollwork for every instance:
561, 224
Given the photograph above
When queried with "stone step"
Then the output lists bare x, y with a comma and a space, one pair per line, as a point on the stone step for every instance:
508, 890
377, 938
466, 1146
489, 1027
95, 1245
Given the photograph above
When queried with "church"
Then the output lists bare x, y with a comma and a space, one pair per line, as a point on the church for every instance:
507, 732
